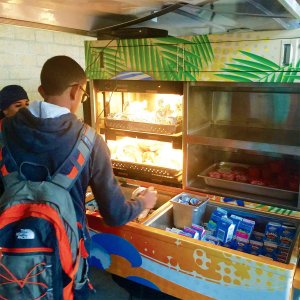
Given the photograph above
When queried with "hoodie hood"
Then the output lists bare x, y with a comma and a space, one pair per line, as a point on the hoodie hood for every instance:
43, 141
46, 110
41, 134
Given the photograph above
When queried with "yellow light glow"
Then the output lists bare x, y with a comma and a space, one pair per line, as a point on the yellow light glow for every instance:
147, 152
163, 109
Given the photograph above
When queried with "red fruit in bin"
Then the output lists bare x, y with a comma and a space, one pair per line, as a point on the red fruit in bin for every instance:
239, 171
228, 176
254, 172
214, 174
276, 166
241, 178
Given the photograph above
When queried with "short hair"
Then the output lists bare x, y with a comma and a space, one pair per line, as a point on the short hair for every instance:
58, 73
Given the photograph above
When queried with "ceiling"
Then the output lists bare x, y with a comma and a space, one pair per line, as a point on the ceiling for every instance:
90, 17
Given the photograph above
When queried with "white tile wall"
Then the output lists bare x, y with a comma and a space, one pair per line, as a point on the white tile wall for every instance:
24, 50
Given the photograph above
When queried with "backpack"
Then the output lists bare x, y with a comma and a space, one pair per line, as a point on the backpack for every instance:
42, 253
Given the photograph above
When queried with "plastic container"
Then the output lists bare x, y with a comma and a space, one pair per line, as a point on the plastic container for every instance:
186, 214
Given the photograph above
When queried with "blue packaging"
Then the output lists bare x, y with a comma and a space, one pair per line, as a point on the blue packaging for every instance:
218, 214
200, 229
212, 227
245, 229
215, 217
257, 236
270, 250
186, 234
225, 229
193, 232
287, 234
229, 244
241, 244
210, 239
255, 247
272, 232
236, 221
282, 253
184, 199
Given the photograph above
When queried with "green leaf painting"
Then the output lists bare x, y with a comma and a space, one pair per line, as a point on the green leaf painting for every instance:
168, 58
255, 68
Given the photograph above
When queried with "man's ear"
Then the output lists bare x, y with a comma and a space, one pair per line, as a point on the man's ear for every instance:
73, 92
42, 92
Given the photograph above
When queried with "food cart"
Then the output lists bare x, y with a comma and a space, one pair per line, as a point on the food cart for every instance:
239, 143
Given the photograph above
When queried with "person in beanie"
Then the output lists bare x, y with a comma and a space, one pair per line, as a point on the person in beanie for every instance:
12, 98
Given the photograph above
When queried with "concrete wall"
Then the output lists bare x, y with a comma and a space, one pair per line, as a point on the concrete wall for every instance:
24, 50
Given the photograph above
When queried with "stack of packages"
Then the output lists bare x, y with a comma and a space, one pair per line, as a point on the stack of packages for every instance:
238, 233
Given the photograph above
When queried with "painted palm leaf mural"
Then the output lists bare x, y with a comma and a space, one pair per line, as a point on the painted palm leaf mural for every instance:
168, 58
255, 68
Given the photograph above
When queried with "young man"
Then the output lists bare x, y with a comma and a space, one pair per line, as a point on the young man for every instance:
12, 98
46, 133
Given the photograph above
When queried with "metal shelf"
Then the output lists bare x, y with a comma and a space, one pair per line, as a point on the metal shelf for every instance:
248, 138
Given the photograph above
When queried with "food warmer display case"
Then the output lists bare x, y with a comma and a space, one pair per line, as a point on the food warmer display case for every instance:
233, 227
142, 124
243, 141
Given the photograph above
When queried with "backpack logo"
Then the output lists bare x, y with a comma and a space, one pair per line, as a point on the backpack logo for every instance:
25, 234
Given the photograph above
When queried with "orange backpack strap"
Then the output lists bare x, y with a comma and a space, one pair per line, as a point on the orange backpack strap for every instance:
77, 159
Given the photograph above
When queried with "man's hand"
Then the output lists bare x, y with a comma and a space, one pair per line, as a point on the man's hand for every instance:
149, 197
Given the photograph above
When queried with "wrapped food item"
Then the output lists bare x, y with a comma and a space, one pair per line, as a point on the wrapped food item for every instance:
135, 194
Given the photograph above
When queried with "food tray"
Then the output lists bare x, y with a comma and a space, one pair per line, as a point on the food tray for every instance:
146, 169
143, 127
243, 187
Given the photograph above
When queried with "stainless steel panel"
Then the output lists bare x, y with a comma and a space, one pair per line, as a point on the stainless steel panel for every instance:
242, 123
190, 18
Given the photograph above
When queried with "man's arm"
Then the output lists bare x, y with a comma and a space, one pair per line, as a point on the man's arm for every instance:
112, 204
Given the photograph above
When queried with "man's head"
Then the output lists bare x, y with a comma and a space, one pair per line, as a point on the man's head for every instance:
12, 98
62, 82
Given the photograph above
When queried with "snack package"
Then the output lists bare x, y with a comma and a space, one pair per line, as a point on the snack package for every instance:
245, 229
200, 229
225, 229
214, 219
257, 236
272, 232
229, 244
255, 247
193, 232
186, 234
270, 250
211, 239
174, 230
241, 244
218, 214
287, 234
211, 227
236, 221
